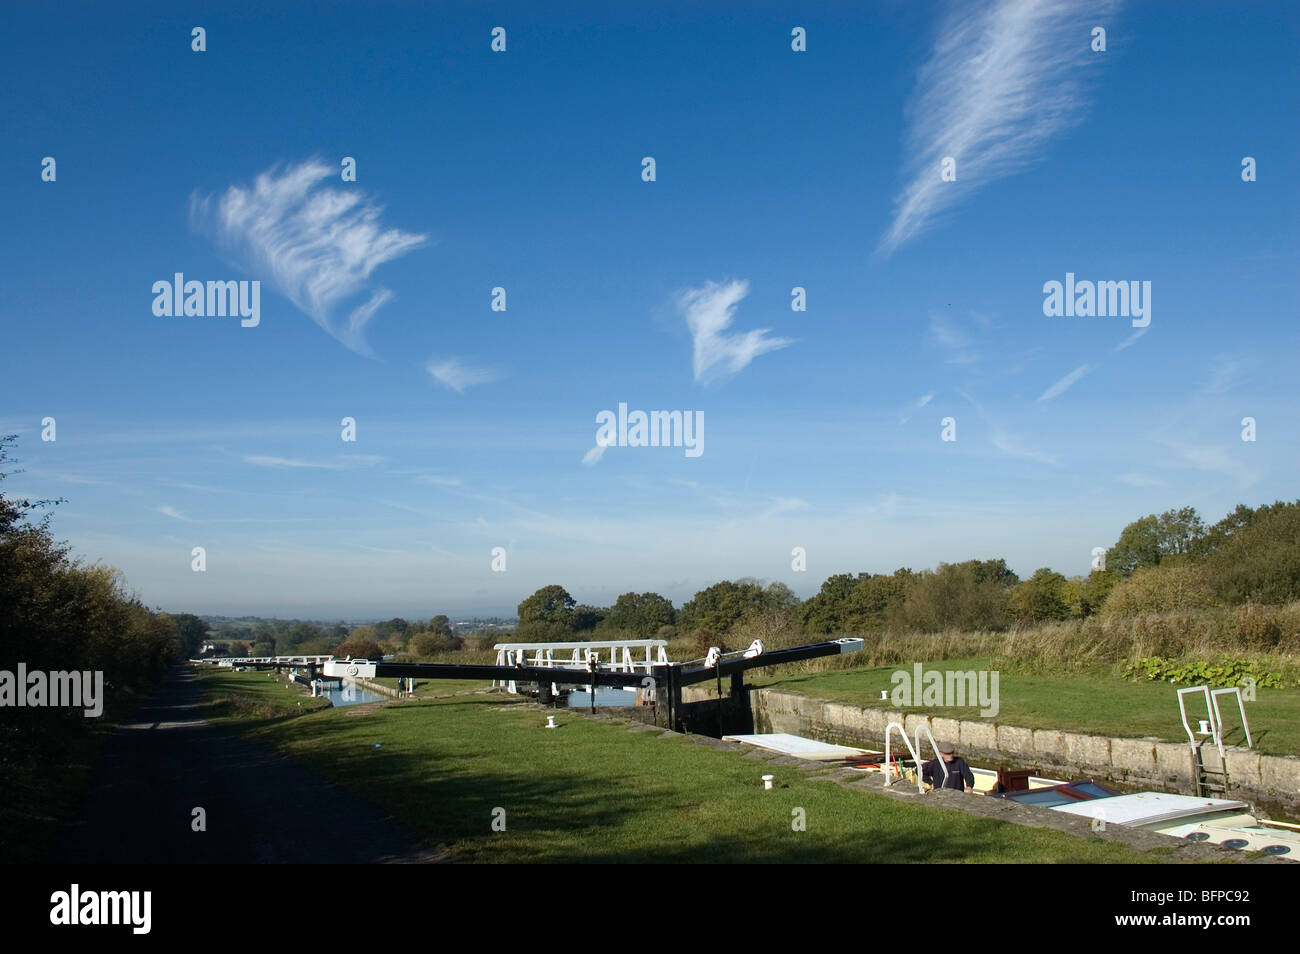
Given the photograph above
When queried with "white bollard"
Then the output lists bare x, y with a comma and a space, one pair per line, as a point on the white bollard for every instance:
767, 781
550, 722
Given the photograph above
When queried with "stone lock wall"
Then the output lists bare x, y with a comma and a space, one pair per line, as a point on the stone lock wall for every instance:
1270, 781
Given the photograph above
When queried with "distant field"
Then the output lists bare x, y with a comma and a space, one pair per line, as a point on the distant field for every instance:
594, 791
1094, 703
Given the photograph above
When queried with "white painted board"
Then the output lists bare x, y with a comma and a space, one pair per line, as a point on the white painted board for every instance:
797, 746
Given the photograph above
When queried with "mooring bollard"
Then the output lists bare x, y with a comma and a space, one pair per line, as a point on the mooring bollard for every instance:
767, 781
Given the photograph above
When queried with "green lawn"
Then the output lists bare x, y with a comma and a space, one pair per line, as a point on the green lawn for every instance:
595, 791
1100, 704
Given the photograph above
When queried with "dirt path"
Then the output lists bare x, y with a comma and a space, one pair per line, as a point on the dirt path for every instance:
261, 807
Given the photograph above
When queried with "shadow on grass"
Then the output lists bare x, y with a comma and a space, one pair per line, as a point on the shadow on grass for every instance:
567, 812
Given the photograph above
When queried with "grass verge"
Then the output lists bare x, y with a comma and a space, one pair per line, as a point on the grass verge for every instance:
595, 791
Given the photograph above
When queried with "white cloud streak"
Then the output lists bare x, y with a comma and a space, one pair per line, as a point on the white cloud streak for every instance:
1063, 385
457, 375
342, 463
319, 245
1222, 377
1132, 338
921, 402
709, 311
1010, 446
1004, 78
1142, 481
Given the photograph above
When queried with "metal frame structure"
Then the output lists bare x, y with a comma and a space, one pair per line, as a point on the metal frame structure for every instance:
670, 676
543, 654
915, 751
1241, 707
1207, 780
1213, 716
1209, 714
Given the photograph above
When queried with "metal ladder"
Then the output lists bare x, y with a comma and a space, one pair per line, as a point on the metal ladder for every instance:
914, 750
1210, 782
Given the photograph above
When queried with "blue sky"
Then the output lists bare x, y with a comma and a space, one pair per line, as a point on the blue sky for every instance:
522, 169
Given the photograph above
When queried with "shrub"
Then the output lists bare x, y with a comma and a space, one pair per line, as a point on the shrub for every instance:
481, 640
777, 628
428, 644
1260, 562
971, 596
1160, 589
1042, 597
362, 649
704, 639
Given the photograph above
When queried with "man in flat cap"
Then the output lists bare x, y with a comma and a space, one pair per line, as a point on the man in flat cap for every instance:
960, 776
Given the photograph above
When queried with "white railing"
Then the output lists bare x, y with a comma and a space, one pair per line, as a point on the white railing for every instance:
229, 661
621, 658
1241, 707
922, 727
912, 749
1214, 718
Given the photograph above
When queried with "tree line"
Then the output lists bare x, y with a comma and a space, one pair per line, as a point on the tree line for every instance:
1160, 563
59, 614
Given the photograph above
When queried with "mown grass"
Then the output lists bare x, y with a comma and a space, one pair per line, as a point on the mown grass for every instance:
595, 791
1098, 702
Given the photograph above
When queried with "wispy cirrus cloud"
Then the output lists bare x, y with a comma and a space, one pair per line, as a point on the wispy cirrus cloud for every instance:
341, 463
1216, 459
1011, 446
1223, 376
916, 405
709, 311
955, 341
438, 480
457, 374
1131, 338
780, 505
319, 245
1140, 480
1005, 76
1063, 385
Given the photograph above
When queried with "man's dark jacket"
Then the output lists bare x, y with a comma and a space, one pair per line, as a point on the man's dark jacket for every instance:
958, 772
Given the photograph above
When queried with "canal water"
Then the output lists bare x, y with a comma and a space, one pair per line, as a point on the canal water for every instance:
605, 696
350, 696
